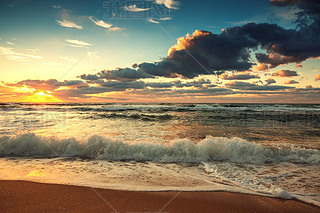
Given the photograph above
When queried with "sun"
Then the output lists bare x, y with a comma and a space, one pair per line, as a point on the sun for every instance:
41, 96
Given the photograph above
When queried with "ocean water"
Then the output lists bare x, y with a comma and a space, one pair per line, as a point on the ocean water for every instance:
265, 149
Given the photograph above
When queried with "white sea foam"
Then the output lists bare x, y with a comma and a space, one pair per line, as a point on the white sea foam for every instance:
209, 149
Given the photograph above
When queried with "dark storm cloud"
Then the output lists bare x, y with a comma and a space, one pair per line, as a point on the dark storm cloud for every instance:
203, 53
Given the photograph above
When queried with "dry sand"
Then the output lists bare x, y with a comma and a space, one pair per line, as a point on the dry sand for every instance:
23, 196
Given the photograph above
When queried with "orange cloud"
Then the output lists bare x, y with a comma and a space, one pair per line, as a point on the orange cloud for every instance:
291, 82
261, 67
184, 42
285, 73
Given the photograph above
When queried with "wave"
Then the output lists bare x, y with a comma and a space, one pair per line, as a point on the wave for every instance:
143, 117
210, 149
116, 107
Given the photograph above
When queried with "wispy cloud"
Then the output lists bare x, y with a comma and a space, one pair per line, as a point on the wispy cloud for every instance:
157, 20
70, 24
10, 43
171, 4
77, 43
166, 18
134, 8
246, 21
56, 6
153, 21
100, 23
11, 54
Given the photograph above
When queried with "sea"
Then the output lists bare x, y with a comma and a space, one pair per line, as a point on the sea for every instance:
264, 149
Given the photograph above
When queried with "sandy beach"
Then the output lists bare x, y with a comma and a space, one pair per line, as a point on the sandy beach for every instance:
23, 196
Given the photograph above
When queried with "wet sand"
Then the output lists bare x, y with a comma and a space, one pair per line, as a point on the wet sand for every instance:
23, 196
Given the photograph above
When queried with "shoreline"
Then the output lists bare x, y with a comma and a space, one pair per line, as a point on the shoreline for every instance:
25, 196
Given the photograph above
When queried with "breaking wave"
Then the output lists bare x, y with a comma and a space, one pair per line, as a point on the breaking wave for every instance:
210, 149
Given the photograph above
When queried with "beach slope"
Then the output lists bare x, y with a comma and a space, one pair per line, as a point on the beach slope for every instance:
23, 196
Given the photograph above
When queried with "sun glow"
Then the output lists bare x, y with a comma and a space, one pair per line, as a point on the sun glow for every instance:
43, 96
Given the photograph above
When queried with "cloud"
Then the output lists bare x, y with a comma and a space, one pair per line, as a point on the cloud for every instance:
122, 75
50, 84
170, 4
291, 82
97, 89
70, 24
275, 59
134, 8
165, 18
270, 81
100, 23
89, 77
77, 43
115, 29
120, 86
202, 53
232, 49
285, 73
157, 20
56, 6
13, 55
250, 86
103, 24
153, 21
261, 67
317, 77
206, 53
297, 45
240, 48
238, 76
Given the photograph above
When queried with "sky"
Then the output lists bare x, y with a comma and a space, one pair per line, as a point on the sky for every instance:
230, 51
